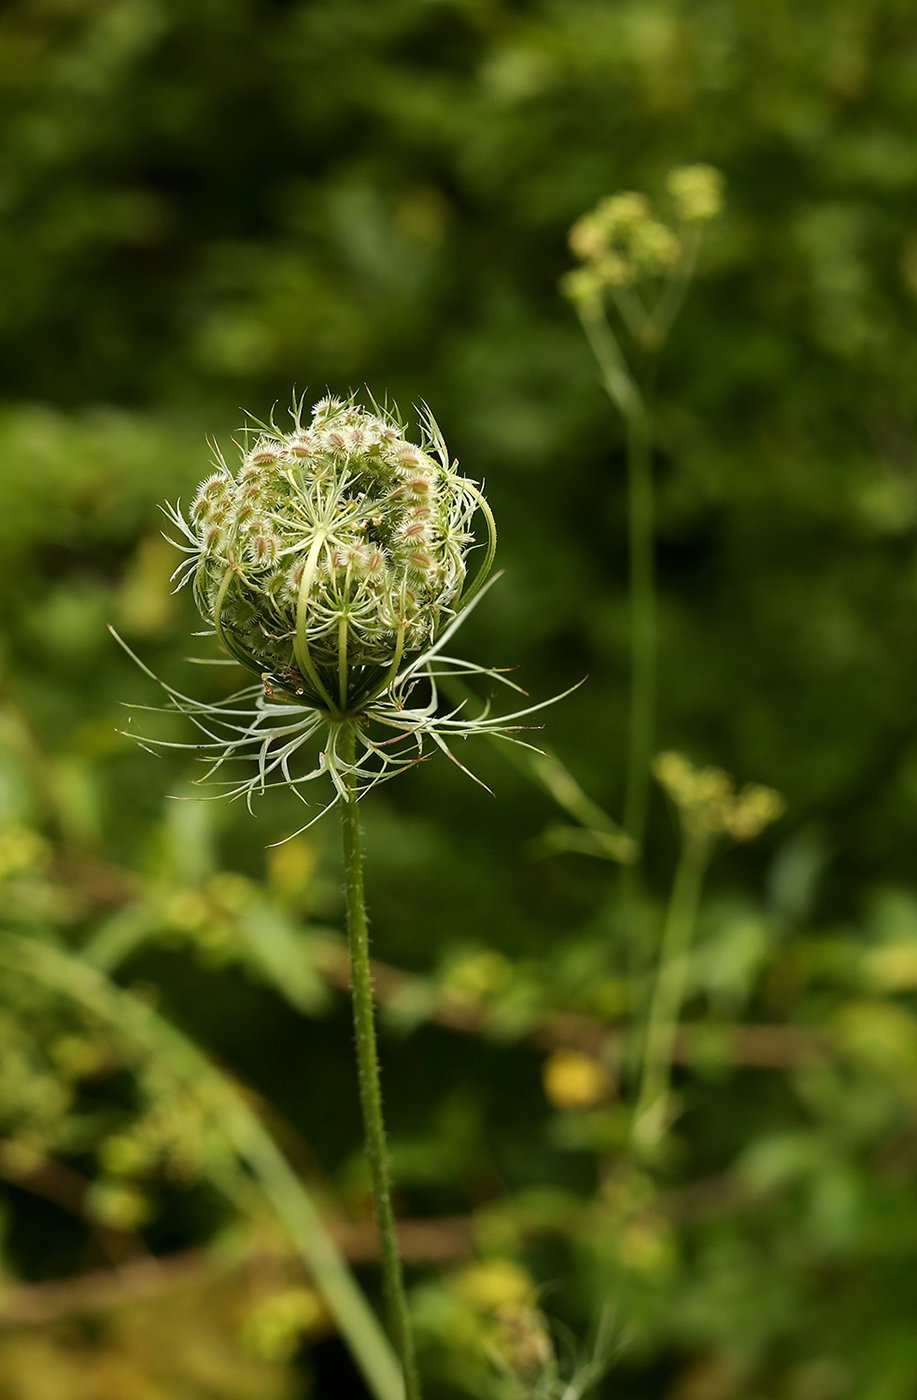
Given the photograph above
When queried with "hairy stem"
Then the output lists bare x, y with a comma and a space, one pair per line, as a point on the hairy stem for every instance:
370, 1088
665, 1008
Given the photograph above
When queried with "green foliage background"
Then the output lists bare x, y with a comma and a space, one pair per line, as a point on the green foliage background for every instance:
203, 205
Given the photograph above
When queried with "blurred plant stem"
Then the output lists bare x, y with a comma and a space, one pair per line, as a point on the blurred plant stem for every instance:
595, 833
651, 1114
622, 389
641, 526
71, 977
368, 1069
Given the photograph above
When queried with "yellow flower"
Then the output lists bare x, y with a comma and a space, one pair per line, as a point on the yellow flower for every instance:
493, 1283
574, 1080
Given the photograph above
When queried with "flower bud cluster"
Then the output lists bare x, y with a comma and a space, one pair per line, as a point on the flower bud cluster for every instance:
338, 545
621, 240
696, 192
709, 804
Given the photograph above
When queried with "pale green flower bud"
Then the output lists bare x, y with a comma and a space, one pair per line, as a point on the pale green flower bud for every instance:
755, 808
611, 222
709, 804
618, 213
697, 192
619, 241
582, 284
589, 238
654, 247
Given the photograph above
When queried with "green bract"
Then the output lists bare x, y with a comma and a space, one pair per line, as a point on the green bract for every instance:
334, 551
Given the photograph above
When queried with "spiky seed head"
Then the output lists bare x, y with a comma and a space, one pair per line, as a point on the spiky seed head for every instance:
341, 533
313, 577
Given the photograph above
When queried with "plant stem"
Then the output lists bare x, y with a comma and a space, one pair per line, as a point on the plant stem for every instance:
370, 1088
616, 377
625, 394
668, 992
641, 527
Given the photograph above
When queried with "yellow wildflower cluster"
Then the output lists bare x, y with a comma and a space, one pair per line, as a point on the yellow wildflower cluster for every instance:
709, 804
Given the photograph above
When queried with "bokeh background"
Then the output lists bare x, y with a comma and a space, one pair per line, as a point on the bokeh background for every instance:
203, 206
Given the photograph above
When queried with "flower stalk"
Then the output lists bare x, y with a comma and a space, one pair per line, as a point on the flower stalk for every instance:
709, 808
643, 623
370, 1087
652, 1109
625, 394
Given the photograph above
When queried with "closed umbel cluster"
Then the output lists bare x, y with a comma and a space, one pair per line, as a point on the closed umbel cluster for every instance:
709, 805
335, 550
621, 242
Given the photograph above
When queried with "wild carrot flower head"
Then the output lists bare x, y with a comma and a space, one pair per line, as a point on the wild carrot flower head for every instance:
332, 563
333, 550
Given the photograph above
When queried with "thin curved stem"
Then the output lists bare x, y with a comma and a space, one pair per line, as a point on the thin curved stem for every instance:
368, 1067
616, 377
218, 606
229, 643
342, 661
625, 394
643, 625
666, 310
482, 573
651, 1112
300, 641
362, 701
